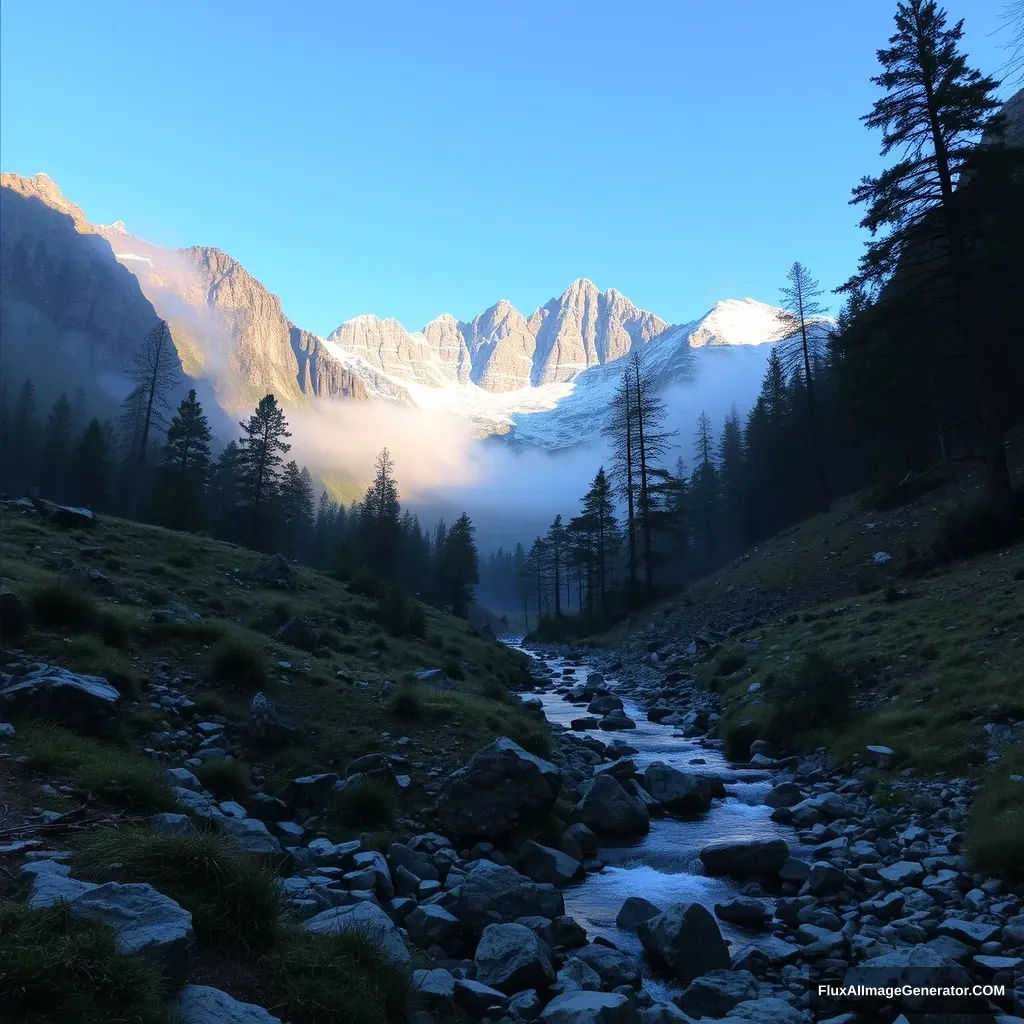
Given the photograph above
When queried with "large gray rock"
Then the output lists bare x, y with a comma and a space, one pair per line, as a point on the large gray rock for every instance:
675, 790
479, 1000
544, 864
614, 967
608, 810
252, 836
491, 894
271, 723
686, 938
201, 1004
511, 958
145, 922
575, 974
431, 925
914, 966
714, 994
86, 703
435, 989
635, 910
51, 884
745, 858
367, 918
501, 786
589, 1008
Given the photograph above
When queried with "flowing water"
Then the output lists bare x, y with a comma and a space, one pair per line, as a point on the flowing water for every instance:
663, 866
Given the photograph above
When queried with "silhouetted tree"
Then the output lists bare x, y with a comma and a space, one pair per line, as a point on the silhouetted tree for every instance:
92, 467
184, 468
261, 451
55, 458
458, 566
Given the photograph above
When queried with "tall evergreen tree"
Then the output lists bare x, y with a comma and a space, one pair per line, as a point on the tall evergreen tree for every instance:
458, 566
380, 519
934, 112
22, 450
261, 451
92, 473
224, 496
184, 468
800, 300
598, 508
556, 546
55, 458
296, 508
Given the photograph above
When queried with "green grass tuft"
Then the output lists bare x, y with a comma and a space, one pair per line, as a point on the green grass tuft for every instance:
369, 804
995, 834
109, 772
234, 899
55, 969
238, 663
323, 979
225, 778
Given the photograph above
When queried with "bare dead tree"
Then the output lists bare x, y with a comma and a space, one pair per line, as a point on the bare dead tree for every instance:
155, 371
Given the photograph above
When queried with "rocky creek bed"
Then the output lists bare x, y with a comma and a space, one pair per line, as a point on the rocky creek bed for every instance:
685, 888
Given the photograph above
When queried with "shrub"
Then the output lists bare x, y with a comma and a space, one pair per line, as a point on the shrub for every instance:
368, 803
208, 703
453, 669
406, 702
234, 899
817, 693
321, 979
63, 606
54, 967
237, 663
738, 735
731, 662
181, 559
363, 584
225, 778
995, 833
973, 530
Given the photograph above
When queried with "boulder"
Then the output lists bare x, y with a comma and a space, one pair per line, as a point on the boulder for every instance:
543, 864
675, 790
435, 989
589, 1008
298, 633
271, 723
687, 939
575, 975
492, 894
86, 703
201, 1004
914, 966
714, 994
170, 824
608, 810
903, 873
664, 1013
615, 721
431, 925
744, 858
13, 614
634, 911
252, 836
144, 921
275, 572
367, 918
614, 967
604, 705
499, 787
743, 911
510, 958
479, 1000
312, 791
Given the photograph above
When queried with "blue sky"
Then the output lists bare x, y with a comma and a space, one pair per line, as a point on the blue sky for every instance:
407, 159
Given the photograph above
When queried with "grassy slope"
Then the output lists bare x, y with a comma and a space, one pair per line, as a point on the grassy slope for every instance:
340, 720
933, 659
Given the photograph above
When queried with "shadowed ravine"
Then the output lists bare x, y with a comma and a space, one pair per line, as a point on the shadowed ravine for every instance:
662, 866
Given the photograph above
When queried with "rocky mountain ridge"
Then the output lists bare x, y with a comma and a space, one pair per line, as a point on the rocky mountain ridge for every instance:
498, 369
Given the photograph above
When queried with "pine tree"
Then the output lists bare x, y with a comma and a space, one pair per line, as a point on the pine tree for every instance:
556, 546
184, 468
458, 566
619, 431
799, 299
704, 493
598, 508
21, 454
380, 520
326, 514
224, 496
934, 112
261, 451
733, 489
55, 458
295, 504
91, 471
